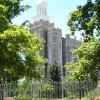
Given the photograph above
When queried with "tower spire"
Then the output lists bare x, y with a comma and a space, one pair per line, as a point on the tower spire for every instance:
41, 7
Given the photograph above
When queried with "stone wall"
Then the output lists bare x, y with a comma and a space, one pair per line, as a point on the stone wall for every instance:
55, 47
68, 44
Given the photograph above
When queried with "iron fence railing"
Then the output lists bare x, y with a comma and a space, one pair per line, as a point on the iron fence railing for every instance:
39, 90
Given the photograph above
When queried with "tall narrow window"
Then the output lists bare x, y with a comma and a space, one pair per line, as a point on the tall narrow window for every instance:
72, 56
45, 11
50, 56
49, 39
37, 10
36, 31
58, 57
40, 10
78, 58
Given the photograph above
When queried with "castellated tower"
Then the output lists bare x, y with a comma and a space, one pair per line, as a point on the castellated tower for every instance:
52, 48
41, 24
54, 45
41, 29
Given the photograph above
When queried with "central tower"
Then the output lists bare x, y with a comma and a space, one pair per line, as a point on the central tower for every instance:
52, 48
41, 8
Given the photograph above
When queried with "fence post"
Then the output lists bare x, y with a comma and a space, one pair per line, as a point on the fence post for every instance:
1, 94
80, 90
62, 90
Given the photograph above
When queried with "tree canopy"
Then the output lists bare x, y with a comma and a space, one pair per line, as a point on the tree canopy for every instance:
10, 9
88, 65
18, 48
86, 19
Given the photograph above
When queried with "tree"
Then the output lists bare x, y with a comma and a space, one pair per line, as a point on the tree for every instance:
17, 40
18, 48
10, 9
88, 65
86, 19
54, 72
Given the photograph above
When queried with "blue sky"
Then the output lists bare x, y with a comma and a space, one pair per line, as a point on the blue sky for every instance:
58, 10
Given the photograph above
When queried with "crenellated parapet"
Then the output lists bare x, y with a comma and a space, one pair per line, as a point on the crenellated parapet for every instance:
54, 30
43, 23
68, 45
72, 41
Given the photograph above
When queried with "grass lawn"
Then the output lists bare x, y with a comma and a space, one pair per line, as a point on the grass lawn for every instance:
47, 99
55, 99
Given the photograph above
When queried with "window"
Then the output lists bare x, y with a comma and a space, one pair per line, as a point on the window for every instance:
37, 10
60, 55
36, 32
42, 10
50, 55
72, 56
49, 39
45, 11
78, 58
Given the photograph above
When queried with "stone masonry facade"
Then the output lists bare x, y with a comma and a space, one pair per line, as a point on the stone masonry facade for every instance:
55, 47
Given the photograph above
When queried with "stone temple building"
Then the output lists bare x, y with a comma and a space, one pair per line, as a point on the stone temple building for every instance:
56, 47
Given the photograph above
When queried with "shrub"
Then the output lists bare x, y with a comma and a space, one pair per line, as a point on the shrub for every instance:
23, 98
92, 95
47, 90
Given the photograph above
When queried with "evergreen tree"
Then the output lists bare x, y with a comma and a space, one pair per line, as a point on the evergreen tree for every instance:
54, 72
